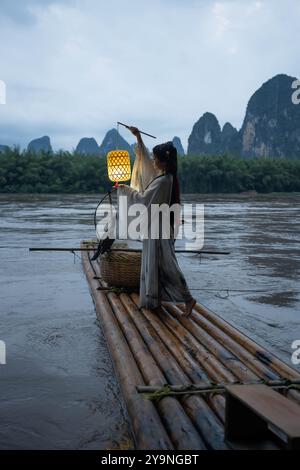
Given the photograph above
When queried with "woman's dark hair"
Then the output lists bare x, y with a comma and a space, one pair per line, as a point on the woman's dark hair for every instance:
167, 153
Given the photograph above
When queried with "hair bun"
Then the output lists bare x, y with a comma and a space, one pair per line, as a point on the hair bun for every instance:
169, 146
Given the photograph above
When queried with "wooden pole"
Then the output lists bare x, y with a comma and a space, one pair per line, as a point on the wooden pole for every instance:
213, 369
244, 365
199, 412
132, 250
181, 430
192, 368
210, 387
148, 429
166, 347
237, 368
255, 349
141, 132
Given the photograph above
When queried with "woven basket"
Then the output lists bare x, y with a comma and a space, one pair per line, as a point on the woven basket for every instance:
121, 268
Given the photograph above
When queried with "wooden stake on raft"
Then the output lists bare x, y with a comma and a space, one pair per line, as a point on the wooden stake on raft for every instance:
182, 432
201, 415
147, 426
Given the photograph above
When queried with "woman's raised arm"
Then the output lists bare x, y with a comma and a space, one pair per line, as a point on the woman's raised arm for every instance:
143, 170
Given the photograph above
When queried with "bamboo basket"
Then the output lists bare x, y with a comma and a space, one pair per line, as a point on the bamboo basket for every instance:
121, 268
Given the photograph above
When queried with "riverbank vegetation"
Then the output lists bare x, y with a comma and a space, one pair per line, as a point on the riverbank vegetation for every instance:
66, 172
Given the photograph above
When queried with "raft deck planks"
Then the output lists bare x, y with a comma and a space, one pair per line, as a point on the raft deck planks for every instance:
154, 349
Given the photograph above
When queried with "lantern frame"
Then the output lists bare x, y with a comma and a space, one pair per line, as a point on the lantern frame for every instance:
118, 166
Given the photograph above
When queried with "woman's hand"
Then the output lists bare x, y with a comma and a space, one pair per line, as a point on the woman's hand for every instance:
135, 131
122, 186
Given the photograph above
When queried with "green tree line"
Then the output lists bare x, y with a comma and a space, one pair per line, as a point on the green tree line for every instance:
66, 172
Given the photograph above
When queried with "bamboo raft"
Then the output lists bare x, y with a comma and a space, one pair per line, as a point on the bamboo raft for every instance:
184, 363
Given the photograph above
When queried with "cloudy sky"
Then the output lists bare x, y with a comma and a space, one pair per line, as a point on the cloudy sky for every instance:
73, 68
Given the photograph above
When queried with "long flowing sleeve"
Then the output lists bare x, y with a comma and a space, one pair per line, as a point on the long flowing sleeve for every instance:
143, 170
158, 191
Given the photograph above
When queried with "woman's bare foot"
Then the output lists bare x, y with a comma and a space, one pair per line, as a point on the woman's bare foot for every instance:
189, 307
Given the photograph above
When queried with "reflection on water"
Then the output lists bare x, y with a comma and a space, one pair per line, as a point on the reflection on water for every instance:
58, 388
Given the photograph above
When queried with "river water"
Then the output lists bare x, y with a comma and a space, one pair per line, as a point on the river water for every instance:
58, 389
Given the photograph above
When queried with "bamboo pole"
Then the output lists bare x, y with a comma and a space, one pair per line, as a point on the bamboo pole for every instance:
180, 428
201, 415
254, 348
293, 395
141, 132
240, 370
266, 357
147, 427
218, 403
242, 363
196, 408
214, 370
207, 388
130, 250
237, 368
192, 368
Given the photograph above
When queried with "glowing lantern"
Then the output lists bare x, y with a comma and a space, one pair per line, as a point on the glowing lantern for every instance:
118, 165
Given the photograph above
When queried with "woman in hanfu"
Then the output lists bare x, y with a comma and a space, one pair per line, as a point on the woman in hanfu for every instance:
154, 181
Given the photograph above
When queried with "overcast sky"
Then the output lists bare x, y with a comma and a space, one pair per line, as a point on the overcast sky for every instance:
73, 68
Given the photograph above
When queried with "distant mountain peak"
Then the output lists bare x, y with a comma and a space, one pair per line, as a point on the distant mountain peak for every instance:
271, 125
177, 143
88, 146
42, 144
206, 135
112, 140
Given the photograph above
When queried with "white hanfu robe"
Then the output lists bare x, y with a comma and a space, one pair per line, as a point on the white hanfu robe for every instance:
161, 277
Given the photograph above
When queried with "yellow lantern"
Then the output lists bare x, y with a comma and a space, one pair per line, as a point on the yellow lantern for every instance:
118, 165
